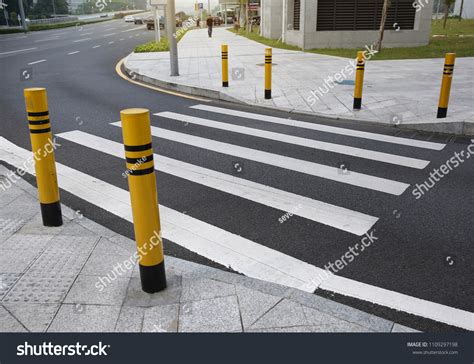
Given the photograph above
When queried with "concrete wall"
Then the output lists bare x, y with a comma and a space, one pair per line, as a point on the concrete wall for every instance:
272, 18
307, 37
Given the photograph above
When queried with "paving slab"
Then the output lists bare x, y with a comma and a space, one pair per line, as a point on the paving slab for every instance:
36, 317
85, 318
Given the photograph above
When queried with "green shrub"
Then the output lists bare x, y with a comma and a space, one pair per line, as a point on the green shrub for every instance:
161, 46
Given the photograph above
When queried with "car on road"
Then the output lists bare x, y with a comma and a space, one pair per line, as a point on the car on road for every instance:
150, 22
129, 19
138, 20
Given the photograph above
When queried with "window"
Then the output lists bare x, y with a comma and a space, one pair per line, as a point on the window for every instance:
363, 14
296, 14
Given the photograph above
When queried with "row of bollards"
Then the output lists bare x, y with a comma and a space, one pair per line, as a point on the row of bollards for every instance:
137, 142
445, 83
267, 64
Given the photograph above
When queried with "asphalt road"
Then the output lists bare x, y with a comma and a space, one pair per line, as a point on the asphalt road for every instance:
424, 247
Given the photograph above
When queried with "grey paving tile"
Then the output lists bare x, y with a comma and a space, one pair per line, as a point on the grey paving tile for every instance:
87, 289
254, 304
36, 317
9, 226
16, 261
212, 315
400, 328
29, 242
130, 319
9, 323
35, 227
85, 318
23, 207
161, 319
136, 297
200, 289
321, 322
285, 314
294, 329
7, 280
40, 288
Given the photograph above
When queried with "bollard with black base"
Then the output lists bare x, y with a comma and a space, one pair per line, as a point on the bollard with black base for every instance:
268, 73
225, 66
446, 85
43, 152
359, 81
142, 184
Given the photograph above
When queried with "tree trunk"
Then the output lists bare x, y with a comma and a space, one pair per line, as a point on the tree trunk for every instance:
386, 5
460, 10
446, 13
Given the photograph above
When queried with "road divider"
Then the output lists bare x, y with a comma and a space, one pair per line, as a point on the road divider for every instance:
225, 65
359, 80
448, 71
268, 73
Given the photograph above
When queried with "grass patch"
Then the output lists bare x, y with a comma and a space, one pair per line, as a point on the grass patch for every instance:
161, 46
10, 31
462, 45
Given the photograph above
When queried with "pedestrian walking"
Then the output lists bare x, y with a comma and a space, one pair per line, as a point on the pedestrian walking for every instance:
209, 23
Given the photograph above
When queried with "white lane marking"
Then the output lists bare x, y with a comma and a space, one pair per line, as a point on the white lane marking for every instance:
310, 143
61, 33
83, 34
219, 245
109, 35
96, 46
131, 30
70, 53
46, 39
242, 255
81, 40
19, 50
399, 301
324, 128
277, 160
338, 217
131, 36
41, 60
112, 42
122, 39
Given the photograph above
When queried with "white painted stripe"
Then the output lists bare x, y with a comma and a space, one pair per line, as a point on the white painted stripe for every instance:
81, 40
242, 255
19, 50
277, 160
399, 301
96, 46
323, 128
83, 34
122, 39
73, 52
46, 39
40, 61
229, 249
108, 35
131, 30
112, 42
340, 218
304, 142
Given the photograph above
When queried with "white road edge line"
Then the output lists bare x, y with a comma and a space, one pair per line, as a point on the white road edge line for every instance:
231, 250
304, 142
338, 217
277, 160
41, 60
19, 50
323, 128
70, 53
81, 40
96, 46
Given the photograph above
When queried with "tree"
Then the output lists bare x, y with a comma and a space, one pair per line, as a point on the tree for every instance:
460, 10
386, 5
447, 5
44, 8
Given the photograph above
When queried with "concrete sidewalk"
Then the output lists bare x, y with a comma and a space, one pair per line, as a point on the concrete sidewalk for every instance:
403, 93
62, 280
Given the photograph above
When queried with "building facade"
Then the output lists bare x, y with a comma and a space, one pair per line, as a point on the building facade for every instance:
346, 23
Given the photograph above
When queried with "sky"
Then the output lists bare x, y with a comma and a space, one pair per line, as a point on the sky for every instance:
188, 5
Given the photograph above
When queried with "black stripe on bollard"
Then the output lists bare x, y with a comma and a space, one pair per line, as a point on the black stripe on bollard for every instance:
357, 103
40, 113
225, 84
442, 112
40, 131
137, 148
153, 277
51, 214
268, 94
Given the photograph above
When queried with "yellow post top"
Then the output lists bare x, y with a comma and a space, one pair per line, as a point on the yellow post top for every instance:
268, 51
36, 99
224, 47
450, 58
360, 56
136, 126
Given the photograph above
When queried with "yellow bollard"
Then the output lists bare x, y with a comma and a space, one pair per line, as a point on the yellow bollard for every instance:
43, 151
268, 73
446, 85
225, 66
142, 184
359, 81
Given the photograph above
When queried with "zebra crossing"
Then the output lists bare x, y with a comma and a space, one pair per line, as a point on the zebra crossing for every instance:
232, 248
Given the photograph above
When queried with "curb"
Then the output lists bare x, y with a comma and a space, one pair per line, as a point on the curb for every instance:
458, 128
